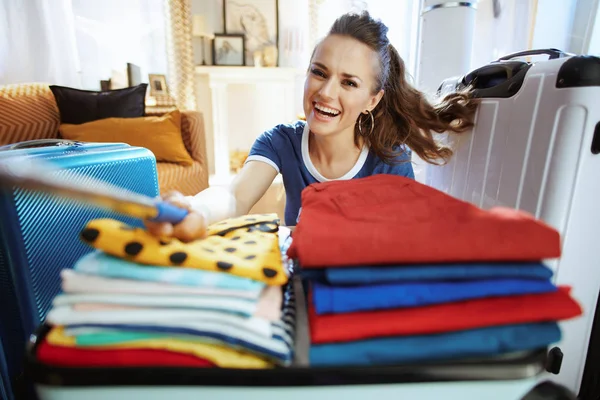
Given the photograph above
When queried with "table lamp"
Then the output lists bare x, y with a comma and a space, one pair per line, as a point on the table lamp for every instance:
199, 30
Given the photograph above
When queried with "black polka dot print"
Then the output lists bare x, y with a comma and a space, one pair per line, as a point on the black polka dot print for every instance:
224, 266
133, 248
267, 228
90, 234
254, 255
178, 257
246, 223
269, 272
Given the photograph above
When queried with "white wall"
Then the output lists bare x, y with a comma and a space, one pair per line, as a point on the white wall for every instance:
495, 37
531, 24
554, 24
253, 109
585, 35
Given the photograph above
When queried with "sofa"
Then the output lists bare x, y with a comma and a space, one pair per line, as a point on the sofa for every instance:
29, 111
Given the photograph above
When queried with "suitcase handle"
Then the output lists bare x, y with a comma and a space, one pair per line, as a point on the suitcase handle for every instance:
552, 53
167, 212
42, 143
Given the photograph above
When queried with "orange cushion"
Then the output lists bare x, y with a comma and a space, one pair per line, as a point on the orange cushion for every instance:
159, 134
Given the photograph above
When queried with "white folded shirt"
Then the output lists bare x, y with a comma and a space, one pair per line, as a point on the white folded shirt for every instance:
67, 315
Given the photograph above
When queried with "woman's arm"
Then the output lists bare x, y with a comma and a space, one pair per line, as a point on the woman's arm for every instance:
218, 203
250, 185
247, 188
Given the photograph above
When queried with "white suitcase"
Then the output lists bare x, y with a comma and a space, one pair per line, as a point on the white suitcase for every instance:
534, 147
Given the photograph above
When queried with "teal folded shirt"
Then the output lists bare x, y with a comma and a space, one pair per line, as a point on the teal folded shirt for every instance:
102, 264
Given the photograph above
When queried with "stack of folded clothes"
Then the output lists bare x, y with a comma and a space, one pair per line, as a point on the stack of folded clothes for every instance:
398, 272
137, 300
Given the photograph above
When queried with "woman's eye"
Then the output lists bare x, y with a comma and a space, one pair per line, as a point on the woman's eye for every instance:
351, 83
317, 72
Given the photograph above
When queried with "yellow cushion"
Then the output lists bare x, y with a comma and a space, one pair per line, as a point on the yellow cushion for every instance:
161, 134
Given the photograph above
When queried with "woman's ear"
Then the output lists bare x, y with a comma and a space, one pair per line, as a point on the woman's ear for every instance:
375, 100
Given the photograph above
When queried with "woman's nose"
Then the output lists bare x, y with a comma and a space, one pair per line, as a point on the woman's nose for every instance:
328, 89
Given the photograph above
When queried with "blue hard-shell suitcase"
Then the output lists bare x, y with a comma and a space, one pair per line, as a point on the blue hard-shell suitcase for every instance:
4, 381
39, 233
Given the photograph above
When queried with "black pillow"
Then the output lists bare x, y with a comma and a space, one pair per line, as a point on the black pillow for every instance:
78, 106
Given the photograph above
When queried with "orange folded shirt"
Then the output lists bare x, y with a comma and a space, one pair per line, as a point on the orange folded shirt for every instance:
385, 219
80, 357
480, 313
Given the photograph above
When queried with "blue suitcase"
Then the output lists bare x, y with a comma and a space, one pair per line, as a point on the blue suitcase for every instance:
4, 381
39, 234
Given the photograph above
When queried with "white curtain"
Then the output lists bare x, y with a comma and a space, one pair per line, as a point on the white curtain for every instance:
37, 42
77, 43
112, 33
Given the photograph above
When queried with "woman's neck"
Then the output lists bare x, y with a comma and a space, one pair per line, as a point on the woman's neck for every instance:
334, 155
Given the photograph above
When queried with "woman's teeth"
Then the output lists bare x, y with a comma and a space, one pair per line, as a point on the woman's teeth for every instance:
330, 112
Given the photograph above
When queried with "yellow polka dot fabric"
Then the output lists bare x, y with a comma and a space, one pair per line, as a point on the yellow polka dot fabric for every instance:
246, 246
268, 223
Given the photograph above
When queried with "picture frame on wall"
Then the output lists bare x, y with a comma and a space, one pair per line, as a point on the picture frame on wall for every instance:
158, 85
258, 21
229, 49
134, 75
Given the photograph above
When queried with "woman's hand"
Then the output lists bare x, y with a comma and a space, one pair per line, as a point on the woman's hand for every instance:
192, 227
216, 203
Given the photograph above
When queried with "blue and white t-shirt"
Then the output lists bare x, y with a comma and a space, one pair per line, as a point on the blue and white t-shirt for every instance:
285, 148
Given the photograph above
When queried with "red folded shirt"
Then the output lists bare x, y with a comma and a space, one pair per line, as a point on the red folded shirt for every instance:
79, 357
555, 306
385, 219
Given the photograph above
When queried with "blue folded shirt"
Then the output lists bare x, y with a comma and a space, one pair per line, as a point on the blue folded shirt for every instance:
342, 299
438, 272
484, 342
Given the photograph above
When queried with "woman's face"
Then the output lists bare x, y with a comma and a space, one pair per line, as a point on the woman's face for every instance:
339, 85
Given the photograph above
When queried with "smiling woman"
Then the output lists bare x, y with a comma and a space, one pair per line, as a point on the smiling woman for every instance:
362, 118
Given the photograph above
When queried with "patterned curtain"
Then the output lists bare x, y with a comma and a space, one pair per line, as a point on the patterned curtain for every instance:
180, 54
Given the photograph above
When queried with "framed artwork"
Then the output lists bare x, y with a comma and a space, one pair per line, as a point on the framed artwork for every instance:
257, 20
134, 75
158, 85
228, 49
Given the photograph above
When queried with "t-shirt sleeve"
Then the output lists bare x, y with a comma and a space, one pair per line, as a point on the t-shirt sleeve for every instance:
402, 166
265, 148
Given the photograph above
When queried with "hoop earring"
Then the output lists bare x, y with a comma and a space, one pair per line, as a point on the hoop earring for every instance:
360, 124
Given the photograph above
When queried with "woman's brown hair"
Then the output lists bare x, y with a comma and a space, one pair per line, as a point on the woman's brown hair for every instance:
403, 116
